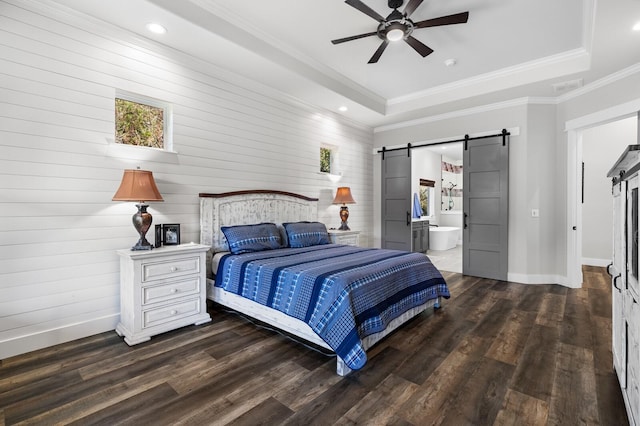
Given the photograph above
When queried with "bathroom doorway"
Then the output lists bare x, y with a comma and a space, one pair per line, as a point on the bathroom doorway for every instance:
443, 165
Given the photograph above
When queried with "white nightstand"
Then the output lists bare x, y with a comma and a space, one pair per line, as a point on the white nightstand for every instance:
161, 290
349, 238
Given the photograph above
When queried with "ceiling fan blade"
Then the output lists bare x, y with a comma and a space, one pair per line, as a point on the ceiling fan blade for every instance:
364, 9
418, 46
355, 37
411, 7
456, 18
378, 53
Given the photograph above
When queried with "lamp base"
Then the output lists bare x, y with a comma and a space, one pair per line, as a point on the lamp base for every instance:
142, 222
344, 215
140, 245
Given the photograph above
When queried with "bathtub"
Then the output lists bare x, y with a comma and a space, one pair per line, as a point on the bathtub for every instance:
443, 237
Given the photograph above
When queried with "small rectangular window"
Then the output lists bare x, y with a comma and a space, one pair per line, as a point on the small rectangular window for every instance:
142, 121
325, 160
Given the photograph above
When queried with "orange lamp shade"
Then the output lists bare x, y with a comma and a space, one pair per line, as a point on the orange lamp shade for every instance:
343, 196
137, 185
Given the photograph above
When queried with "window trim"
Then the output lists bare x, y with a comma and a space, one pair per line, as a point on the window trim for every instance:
167, 116
331, 158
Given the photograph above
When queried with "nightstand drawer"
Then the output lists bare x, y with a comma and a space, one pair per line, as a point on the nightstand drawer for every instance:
159, 293
170, 268
170, 313
350, 240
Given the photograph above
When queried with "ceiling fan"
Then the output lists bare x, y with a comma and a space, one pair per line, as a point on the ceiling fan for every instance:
397, 26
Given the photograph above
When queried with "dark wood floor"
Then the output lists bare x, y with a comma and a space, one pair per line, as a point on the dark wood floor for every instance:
497, 353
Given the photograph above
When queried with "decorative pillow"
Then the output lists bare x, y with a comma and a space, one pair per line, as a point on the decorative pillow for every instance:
249, 238
305, 234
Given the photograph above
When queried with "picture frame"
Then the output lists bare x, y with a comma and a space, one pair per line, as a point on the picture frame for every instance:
171, 234
158, 241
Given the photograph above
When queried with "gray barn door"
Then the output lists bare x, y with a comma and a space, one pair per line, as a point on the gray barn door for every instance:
485, 204
396, 200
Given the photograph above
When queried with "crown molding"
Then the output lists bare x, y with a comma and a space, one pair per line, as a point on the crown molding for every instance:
465, 112
598, 84
549, 67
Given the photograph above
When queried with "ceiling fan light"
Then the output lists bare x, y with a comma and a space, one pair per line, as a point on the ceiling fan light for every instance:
395, 34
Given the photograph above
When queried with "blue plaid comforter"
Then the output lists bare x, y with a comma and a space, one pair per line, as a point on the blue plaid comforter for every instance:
344, 293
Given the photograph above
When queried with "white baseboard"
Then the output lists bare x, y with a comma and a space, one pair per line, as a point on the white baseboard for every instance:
595, 262
538, 279
45, 338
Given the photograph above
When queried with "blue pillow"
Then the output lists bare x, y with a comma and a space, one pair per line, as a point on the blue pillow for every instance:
305, 234
250, 238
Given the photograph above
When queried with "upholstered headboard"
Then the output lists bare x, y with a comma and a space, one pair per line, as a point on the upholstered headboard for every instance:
249, 207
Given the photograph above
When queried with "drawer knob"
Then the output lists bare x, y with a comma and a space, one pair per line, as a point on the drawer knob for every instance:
173, 312
174, 268
174, 290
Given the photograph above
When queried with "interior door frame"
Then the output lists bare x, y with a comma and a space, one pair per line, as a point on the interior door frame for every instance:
574, 129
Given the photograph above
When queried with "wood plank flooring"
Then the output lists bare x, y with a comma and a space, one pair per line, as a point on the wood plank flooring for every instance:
497, 353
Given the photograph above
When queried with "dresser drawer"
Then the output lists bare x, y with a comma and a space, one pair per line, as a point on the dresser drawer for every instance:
169, 291
170, 313
170, 268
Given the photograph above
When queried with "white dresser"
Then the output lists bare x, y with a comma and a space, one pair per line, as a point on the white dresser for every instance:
349, 238
161, 290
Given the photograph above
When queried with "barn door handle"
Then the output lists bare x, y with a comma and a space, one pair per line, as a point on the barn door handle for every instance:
609, 266
408, 219
614, 282
465, 221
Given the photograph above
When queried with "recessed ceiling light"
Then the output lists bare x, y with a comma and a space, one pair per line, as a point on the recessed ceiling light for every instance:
636, 27
156, 28
343, 108
450, 62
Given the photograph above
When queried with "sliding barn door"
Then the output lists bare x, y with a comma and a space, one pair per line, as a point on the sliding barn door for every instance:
485, 205
396, 200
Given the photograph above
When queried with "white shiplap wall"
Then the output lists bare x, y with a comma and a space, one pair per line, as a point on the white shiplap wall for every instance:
59, 168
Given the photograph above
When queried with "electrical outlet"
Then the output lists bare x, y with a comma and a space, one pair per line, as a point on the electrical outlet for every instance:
535, 213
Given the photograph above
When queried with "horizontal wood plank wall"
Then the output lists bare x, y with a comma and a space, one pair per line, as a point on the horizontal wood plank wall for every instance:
59, 167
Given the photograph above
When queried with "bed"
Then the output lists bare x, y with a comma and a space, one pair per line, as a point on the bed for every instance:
271, 260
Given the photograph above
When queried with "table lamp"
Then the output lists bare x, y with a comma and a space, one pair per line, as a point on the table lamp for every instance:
138, 185
343, 196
